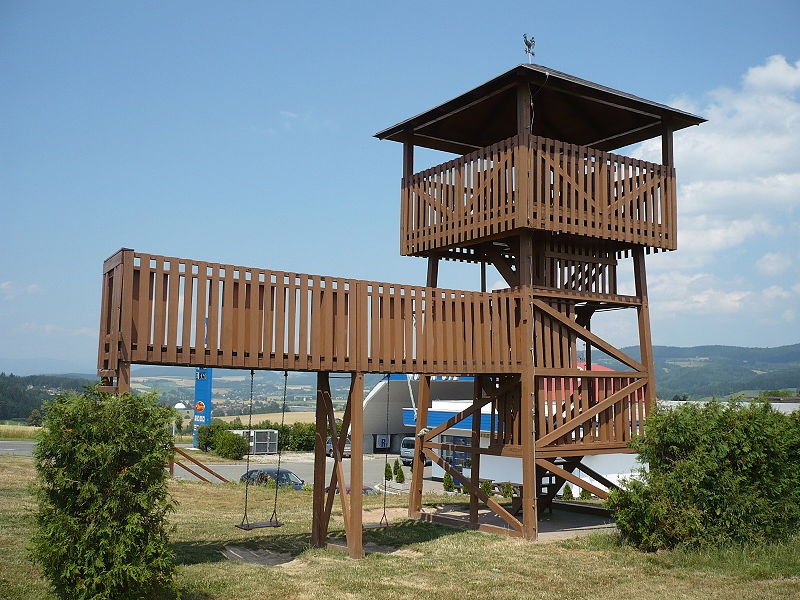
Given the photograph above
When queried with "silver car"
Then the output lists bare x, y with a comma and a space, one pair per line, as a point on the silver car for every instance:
329, 448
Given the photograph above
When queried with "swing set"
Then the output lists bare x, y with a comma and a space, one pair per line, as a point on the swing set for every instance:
274, 521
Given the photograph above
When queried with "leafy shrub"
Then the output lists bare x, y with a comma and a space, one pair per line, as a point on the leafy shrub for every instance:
230, 445
508, 490
585, 494
387, 472
566, 493
487, 487
102, 497
206, 435
719, 474
399, 476
447, 483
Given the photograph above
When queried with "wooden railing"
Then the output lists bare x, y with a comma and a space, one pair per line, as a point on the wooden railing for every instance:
538, 183
174, 311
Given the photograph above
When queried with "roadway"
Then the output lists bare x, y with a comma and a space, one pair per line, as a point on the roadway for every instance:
301, 463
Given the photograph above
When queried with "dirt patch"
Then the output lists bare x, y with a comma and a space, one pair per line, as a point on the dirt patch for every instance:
256, 556
393, 514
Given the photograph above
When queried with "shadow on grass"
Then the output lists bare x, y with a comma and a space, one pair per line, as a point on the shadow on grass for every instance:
397, 535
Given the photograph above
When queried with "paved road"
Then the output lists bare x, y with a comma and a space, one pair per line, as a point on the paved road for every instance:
17, 447
302, 463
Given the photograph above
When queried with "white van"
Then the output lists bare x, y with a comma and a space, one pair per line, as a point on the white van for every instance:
407, 452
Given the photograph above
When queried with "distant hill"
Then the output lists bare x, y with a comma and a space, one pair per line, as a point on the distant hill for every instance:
20, 395
701, 371
698, 371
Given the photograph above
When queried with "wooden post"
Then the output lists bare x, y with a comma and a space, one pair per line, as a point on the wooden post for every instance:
418, 463
355, 542
667, 155
483, 276
475, 465
124, 378
645, 341
319, 532
433, 271
523, 108
529, 483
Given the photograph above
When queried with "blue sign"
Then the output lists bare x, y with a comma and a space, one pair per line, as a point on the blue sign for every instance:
202, 401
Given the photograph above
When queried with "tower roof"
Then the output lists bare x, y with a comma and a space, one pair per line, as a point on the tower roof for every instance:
566, 108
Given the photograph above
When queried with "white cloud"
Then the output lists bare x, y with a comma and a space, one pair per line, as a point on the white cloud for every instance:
676, 292
50, 329
773, 263
738, 197
776, 74
9, 290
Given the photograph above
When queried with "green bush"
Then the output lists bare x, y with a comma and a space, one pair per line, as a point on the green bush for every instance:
207, 433
585, 494
388, 475
399, 476
508, 490
230, 445
102, 497
487, 487
719, 475
566, 493
447, 483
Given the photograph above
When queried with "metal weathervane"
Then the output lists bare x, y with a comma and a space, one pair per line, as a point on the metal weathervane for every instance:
530, 43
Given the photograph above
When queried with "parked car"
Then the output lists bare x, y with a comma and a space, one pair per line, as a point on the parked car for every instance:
329, 448
263, 475
407, 452
367, 490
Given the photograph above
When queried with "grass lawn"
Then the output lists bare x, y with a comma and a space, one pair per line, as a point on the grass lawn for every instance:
433, 561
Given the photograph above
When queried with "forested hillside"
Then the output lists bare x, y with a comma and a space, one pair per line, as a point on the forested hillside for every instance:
20, 395
702, 371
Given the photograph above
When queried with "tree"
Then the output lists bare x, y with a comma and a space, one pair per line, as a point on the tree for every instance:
399, 476
35, 418
179, 424
102, 497
387, 472
447, 483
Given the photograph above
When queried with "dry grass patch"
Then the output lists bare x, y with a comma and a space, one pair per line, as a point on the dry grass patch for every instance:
437, 561
18, 432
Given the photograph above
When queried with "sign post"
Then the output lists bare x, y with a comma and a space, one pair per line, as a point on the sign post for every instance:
202, 401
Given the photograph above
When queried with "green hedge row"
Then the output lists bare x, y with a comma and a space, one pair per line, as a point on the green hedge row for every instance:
718, 474
297, 436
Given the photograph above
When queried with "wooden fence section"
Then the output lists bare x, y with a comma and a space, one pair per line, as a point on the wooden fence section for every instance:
174, 311
539, 183
578, 409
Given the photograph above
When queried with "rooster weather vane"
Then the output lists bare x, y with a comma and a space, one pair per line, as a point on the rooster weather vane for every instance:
530, 43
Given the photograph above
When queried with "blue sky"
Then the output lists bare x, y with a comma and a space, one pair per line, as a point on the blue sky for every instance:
242, 133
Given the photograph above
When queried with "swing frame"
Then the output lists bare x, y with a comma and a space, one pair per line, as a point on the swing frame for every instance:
273, 521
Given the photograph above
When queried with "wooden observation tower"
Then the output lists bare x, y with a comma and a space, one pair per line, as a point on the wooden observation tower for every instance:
536, 192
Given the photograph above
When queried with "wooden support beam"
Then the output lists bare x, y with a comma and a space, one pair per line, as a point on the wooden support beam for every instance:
667, 154
643, 313
503, 265
457, 418
491, 503
319, 531
475, 461
355, 541
597, 476
338, 468
124, 378
564, 474
433, 271
418, 462
529, 487
334, 479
